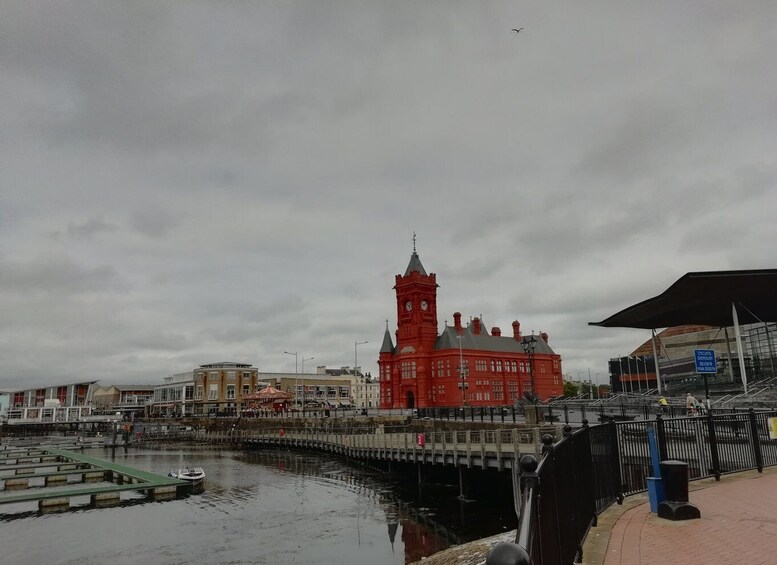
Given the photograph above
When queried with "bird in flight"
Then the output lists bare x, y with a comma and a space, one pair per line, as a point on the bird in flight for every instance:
517, 30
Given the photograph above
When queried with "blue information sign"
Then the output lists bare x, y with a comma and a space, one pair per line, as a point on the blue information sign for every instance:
705, 361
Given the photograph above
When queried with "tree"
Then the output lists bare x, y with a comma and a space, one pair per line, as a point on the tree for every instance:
571, 389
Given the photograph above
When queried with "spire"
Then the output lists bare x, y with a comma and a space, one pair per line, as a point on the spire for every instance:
388, 345
415, 262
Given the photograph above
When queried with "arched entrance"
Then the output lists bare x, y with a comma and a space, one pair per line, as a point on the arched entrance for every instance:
410, 399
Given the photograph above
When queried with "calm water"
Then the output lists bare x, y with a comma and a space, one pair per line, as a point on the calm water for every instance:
277, 507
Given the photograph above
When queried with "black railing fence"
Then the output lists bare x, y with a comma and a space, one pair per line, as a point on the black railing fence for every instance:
587, 471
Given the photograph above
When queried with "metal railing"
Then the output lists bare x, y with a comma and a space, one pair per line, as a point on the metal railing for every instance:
579, 477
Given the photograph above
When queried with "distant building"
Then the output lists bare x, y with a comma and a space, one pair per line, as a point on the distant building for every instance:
127, 399
326, 387
365, 391
59, 403
675, 346
220, 387
461, 365
5, 402
174, 397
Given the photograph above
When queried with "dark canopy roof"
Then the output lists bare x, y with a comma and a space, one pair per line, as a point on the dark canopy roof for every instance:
705, 298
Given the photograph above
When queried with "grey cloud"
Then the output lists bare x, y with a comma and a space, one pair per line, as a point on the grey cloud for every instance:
232, 180
57, 275
153, 222
89, 228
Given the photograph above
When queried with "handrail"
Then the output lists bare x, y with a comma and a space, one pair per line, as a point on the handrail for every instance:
529, 482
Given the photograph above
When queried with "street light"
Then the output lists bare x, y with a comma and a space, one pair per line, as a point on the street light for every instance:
355, 357
462, 372
303, 383
295, 373
528, 344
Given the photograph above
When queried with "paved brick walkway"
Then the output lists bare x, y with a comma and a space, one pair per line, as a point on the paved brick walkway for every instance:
738, 525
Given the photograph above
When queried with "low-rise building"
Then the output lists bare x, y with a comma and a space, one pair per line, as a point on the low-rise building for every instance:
219, 388
365, 390
126, 399
60, 403
174, 397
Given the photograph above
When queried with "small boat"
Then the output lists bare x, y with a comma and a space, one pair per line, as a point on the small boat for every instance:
191, 474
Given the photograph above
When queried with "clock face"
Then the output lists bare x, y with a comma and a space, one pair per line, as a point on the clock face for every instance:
424, 305
408, 306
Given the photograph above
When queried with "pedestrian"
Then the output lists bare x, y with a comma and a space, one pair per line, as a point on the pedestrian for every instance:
663, 405
690, 403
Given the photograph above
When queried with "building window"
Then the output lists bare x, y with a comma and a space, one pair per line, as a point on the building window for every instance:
246, 376
213, 376
230, 392
498, 366
213, 392
199, 392
246, 389
189, 392
231, 375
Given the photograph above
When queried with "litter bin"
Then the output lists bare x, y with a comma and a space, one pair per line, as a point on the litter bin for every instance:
674, 476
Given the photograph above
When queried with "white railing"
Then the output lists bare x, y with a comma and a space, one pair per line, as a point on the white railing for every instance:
514, 441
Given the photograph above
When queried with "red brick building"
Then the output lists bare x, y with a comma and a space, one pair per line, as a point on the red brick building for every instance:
423, 368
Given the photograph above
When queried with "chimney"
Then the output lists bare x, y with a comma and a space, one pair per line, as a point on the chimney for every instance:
516, 330
544, 336
457, 321
476, 326
496, 331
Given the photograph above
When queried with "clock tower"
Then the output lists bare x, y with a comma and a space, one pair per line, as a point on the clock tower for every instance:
416, 330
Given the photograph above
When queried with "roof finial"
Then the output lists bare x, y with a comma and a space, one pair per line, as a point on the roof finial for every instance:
386, 324
413, 243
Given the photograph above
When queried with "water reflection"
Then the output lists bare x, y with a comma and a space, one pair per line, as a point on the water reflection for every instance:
272, 507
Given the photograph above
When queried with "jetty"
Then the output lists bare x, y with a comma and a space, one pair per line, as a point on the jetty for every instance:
42, 474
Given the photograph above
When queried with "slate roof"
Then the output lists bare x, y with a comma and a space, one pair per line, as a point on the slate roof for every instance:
415, 265
388, 345
486, 342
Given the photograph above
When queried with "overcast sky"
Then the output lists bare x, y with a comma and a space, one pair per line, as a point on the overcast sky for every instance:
191, 182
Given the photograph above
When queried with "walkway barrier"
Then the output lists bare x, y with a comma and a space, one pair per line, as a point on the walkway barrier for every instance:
498, 449
560, 497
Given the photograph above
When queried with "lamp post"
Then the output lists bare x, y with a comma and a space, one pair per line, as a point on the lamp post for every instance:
628, 368
355, 357
303, 383
462, 373
639, 380
295, 372
644, 372
528, 344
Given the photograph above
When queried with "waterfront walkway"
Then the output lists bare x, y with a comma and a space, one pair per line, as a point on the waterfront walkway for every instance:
738, 525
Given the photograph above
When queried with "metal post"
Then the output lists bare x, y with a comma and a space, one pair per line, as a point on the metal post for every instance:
713, 445
655, 360
296, 373
462, 373
728, 354
759, 460
740, 353
303, 383
528, 345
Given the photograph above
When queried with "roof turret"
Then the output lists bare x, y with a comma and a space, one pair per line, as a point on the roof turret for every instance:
388, 346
